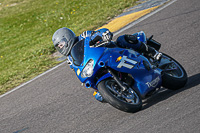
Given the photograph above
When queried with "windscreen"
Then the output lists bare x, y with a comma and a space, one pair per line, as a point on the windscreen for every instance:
77, 53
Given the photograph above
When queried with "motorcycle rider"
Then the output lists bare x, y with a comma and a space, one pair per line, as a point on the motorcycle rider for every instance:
64, 39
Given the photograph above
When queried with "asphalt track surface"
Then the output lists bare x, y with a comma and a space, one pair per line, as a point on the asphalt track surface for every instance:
57, 103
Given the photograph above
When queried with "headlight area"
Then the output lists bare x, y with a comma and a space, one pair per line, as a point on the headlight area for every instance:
88, 69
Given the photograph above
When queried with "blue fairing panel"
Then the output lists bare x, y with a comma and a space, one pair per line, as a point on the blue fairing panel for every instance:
104, 77
134, 63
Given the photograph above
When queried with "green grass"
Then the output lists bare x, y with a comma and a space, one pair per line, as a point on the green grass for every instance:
26, 28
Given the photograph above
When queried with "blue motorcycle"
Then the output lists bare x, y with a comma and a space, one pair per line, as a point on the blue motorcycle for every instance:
123, 77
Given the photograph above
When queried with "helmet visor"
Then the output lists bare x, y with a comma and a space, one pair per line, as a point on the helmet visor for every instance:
62, 46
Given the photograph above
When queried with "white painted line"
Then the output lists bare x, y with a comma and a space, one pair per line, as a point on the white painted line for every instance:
143, 18
123, 29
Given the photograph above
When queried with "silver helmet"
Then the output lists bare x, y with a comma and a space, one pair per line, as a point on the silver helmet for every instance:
63, 40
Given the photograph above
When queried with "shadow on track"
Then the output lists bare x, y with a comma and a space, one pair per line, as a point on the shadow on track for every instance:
164, 94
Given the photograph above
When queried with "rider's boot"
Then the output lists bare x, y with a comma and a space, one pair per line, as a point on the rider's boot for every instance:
149, 51
153, 53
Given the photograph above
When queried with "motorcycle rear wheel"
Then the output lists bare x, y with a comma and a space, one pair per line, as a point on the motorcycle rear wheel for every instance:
174, 75
128, 101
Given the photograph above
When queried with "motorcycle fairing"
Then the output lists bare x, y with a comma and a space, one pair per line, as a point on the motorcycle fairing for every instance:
88, 51
145, 79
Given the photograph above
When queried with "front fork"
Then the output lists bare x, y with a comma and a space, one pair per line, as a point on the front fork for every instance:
118, 81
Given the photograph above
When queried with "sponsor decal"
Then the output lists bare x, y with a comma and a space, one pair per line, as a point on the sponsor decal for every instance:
153, 83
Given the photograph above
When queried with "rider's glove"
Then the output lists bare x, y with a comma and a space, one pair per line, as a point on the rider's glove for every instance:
107, 36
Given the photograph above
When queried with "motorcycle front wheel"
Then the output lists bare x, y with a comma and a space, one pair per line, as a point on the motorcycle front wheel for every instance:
128, 101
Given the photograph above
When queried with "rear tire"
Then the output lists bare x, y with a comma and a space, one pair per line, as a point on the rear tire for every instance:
174, 79
107, 88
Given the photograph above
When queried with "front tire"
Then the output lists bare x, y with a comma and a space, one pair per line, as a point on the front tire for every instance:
174, 75
128, 101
